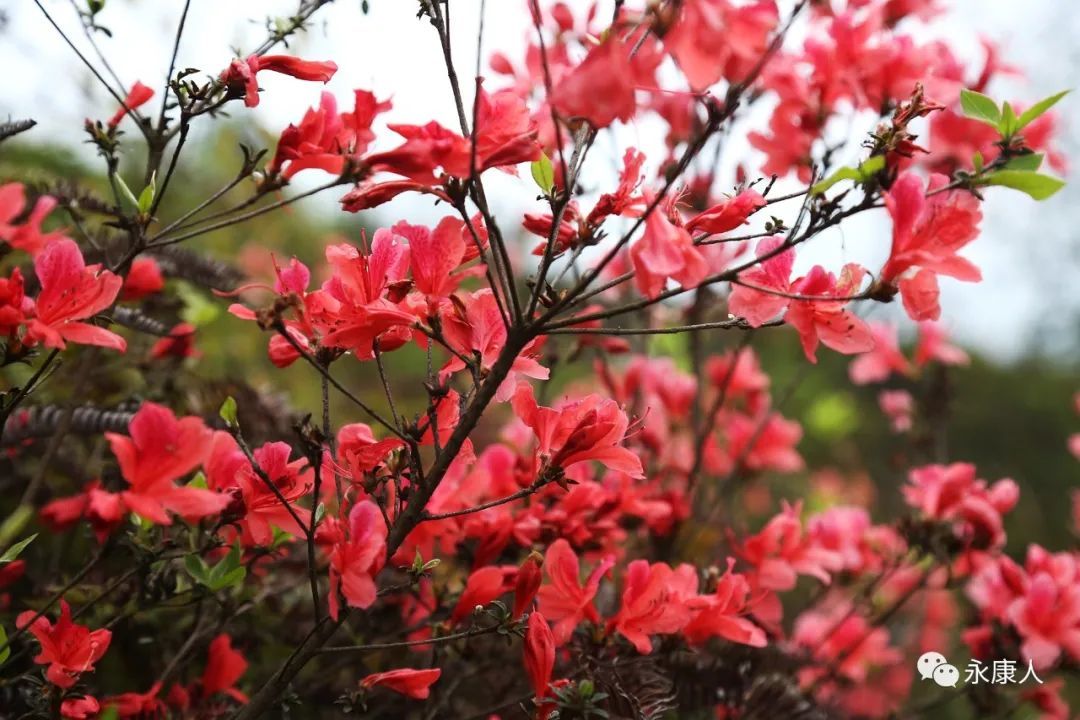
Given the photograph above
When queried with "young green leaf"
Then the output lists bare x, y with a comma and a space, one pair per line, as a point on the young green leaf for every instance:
196, 568
13, 552
228, 411
1008, 124
1025, 162
125, 193
229, 579
977, 162
543, 173
146, 197
1034, 184
1039, 109
979, 107
860, 174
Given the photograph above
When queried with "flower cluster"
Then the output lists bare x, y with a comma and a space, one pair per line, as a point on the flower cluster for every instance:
575, 454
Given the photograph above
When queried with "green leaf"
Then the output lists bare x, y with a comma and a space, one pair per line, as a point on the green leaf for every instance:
1034, 184
1039, 109
109, 713
198, 310
125, 192
196, 568
543, 173
320, 513
977, 162
13, 551
146, 197
228, 411
1025, 162
1007, 126
15, 523
280, 537
860, 174
229, 579
6, 652
199, 481
979, 107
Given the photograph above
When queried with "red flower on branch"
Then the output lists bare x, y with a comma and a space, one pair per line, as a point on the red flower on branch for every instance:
71, 292
68, 649
159, 450
138, 96
409, 682
589, 429
565, 600
355, 560
240, 76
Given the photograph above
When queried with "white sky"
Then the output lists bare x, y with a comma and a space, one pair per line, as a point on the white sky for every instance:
1029, 253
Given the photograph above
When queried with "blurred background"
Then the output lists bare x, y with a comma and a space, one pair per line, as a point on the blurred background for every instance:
1012, 410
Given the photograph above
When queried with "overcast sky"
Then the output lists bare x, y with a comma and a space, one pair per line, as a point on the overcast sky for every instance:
1029, 253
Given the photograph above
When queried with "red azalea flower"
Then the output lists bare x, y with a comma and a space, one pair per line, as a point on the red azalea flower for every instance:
927, 234
601, 88
68, 649
653, 602
483, 586
25, 236
356, 560
84, 707
71, 291
727, 215
138, 95
781, 552
15, 307
179, 344
505, 132
473, 325
224, 666
664, 251
240, 78
411, 683
360, 452
144, 278
263, 509
159, 451
722, 614
766, 289
539, 657
953, 493
527, 583
579, 431
137, 705
565, 600
102, 509
712, 39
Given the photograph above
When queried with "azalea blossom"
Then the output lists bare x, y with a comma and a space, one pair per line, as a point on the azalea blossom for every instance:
159, 450
68, 649
240, 76
409, 682
72, 292
138, 96
579, 431
27, 235
565, 600
928, 231
357, 557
